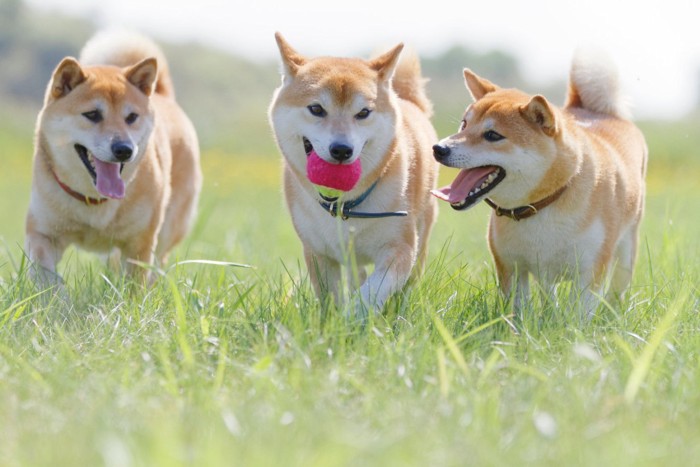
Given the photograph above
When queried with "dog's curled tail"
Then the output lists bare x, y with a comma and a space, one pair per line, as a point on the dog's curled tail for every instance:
594, 84
409, 83
125, 48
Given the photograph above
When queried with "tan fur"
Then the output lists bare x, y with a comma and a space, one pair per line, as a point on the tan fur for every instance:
589, 234
394, 146
163, 178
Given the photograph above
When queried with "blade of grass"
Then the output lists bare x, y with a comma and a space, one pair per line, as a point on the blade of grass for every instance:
19, 306
451, 345
181, 322
643, 364
209, 262
478, 329
442, 372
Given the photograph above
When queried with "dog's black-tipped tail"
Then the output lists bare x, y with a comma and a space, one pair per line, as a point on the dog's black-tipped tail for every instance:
126, 48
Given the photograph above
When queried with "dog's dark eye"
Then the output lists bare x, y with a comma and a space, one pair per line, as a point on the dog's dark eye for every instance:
462, 125
131, 118
491, 136
95, 116
316, 110
362, 114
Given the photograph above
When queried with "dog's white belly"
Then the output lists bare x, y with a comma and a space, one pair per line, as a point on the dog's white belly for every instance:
91, 227
336, 238
552, 252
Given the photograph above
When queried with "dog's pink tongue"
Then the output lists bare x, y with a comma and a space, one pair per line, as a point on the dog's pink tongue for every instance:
466, 181
109, 181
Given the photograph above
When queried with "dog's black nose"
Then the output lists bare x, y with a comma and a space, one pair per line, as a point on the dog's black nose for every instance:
440, 152
341, 152
122, 151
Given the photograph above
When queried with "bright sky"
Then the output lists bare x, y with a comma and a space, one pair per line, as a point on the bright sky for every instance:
656, 43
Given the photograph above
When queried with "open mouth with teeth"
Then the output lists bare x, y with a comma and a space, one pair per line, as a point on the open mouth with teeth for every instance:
87, 161
106, 176
470, 186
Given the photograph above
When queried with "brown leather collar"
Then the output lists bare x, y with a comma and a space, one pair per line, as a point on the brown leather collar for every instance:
523, 212
79, 196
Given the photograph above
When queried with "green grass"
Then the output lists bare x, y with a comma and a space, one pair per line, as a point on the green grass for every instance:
219, 365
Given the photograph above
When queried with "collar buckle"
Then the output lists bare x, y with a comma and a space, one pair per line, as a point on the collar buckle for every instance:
528, 210
344, 210
87, 200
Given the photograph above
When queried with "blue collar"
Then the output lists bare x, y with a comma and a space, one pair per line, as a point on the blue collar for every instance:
345, 209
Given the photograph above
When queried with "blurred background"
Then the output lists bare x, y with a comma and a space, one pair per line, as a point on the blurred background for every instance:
225, 66
225, 62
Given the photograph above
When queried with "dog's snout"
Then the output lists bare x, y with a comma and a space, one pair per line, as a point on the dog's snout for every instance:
440, 152
340, 152
122, 151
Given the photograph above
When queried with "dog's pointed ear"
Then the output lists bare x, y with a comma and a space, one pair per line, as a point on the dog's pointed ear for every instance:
385, 64
67, 75
478, 87
143, 75
540, 112
291, 59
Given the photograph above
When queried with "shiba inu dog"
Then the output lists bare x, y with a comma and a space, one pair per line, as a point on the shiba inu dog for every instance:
343, 109
116, 161
566, 184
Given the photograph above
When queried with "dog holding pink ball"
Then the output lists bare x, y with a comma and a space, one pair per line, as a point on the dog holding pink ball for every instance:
356, 141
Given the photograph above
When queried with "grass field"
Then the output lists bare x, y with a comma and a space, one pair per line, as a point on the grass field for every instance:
238, 366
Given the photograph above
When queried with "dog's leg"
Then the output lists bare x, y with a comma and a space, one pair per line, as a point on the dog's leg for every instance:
141, 250
518, 291
506, 274
392, 270
423, 236
589, 302
522, 292
590, 288
625, 255
421, 261
176, 224
325, 276
44, 254
548, 293
114, 260
357, 275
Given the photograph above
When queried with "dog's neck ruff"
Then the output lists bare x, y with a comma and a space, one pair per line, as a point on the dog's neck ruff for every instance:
77, 195
523, 212
345, 209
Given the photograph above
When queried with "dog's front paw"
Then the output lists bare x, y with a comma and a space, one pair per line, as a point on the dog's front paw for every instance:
44, 278
362, 305
358, 309
49, 284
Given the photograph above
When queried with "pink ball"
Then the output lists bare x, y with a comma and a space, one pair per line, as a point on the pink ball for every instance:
342, 177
